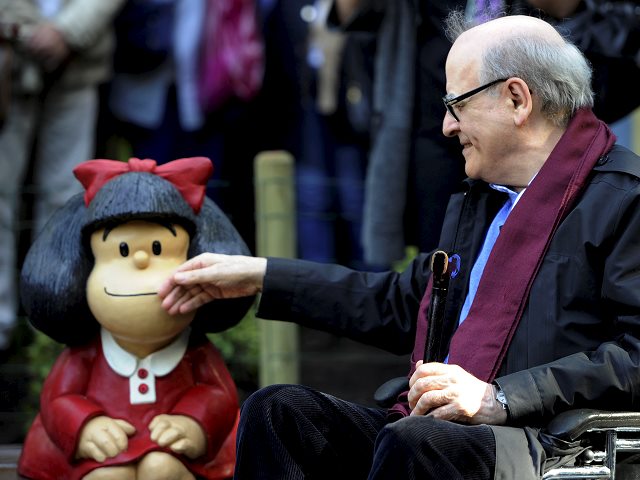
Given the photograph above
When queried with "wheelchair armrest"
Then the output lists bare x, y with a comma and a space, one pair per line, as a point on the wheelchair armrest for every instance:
572, 424
387, 393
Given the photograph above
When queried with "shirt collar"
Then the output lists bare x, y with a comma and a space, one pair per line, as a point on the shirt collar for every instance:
161, 362
513, 195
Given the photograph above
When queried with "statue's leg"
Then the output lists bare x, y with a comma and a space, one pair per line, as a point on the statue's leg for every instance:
127, 472
162, 466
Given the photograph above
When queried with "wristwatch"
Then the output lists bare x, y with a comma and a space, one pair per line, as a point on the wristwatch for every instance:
500, 397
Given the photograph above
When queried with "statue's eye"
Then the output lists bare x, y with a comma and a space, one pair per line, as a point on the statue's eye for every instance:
124, 249
156, 247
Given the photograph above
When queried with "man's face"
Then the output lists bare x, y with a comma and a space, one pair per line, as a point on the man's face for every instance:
483, 127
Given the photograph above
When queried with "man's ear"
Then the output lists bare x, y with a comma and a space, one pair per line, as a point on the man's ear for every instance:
520, 98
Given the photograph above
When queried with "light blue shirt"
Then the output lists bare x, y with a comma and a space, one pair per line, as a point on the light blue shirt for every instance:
49, 7
487, 246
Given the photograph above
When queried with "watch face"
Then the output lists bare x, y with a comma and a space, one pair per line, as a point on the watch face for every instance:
501, 398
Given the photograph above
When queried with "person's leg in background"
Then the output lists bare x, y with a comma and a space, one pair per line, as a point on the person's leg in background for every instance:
434, 175
350, 171
15, 150
156, 143
66, 138
208, 141
315, 191
170, 141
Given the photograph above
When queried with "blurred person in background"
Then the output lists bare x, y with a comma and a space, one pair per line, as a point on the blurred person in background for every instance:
156, 96
331, 166
154, 92
608, 32
63, 52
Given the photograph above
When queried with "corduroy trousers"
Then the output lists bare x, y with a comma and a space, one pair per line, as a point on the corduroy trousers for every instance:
294, 432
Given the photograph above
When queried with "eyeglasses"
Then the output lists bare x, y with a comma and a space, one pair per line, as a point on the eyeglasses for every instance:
450, 102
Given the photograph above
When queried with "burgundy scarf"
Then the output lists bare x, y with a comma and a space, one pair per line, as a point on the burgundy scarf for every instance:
479, 345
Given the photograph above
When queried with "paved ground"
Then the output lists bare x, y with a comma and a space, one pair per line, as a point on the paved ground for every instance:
8, 460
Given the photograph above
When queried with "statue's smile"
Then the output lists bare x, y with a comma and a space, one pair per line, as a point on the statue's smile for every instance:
128, 294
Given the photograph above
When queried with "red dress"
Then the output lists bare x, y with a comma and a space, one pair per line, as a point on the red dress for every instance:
82, 385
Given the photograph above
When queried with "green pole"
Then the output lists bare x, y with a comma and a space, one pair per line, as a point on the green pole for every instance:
276, 237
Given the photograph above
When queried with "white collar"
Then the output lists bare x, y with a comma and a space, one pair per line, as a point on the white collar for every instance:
513, 195
160, 363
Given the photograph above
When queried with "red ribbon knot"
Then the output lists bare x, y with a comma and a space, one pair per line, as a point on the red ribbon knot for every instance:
188, 175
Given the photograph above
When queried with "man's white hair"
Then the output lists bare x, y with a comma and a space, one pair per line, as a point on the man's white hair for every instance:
556, 71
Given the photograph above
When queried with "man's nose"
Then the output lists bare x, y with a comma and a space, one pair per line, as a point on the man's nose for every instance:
141, 259
450, 125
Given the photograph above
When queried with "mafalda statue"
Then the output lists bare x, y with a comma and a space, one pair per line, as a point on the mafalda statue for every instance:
138, 394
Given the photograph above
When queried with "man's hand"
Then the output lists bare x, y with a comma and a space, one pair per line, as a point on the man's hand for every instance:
180, 433
448, 392
212, 276
48, 46
104, 437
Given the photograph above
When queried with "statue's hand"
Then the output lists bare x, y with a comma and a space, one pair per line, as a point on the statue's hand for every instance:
104, 437
180, 433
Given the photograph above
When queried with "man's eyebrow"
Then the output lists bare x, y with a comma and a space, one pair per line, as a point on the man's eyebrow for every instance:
449, 96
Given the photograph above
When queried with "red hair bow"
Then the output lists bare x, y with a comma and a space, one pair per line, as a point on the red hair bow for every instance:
188, 175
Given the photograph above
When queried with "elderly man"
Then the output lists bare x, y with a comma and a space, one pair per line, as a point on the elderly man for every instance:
543, 316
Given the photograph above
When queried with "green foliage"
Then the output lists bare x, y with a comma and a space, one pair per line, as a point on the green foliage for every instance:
410, 253
240, 348
41, 353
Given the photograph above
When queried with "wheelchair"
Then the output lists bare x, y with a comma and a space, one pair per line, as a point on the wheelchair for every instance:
608, 442
611, 442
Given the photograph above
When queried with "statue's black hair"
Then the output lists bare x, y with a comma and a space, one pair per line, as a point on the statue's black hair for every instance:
55, 271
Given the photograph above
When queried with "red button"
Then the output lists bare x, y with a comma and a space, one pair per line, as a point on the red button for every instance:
143, 388
142, 373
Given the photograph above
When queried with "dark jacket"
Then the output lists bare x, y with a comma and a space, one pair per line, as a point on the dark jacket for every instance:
577, 343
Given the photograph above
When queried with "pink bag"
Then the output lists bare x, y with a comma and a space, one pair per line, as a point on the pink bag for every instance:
232, 54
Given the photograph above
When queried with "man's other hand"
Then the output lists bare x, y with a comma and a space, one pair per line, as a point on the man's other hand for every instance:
448, 392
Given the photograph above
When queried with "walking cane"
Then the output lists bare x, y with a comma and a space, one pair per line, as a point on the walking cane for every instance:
440, 269
443, 268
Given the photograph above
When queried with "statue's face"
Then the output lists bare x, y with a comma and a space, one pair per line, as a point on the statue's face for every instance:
131, 261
